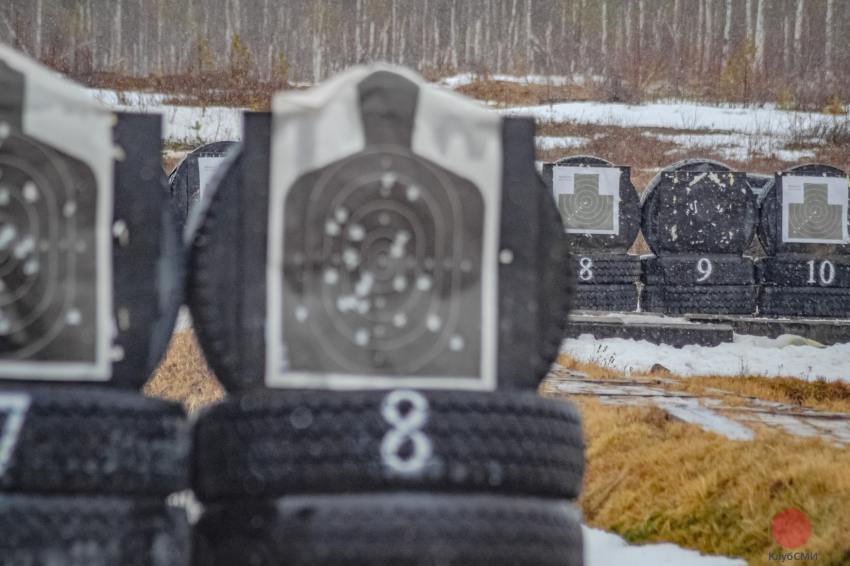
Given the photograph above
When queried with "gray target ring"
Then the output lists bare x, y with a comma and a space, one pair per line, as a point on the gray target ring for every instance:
43, 251
379, 275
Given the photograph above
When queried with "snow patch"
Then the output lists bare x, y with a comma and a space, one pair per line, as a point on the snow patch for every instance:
606, 549
785, 356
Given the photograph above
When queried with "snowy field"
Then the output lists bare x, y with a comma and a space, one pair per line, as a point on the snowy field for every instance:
732, 130
786, 356
606, 549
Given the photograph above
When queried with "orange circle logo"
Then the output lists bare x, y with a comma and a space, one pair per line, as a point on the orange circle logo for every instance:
791, 528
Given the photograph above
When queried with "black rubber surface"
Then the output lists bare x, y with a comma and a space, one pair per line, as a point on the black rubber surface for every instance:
770, 225
148, 259
623, 297
693, 269
698, 206
700, 299
274, 444
74, 440
227, 288
792, 270
606, 269
815, 302
401, 529
629, 209
87, 531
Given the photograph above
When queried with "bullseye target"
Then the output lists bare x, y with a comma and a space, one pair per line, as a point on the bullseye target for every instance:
382, 257
588, 198
48, 299
815, 209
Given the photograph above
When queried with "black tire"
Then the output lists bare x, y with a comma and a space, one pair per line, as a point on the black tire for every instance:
606, 269
401, 529
227, 294
266, 445
705, 299
629, 210
770, 225
805, 271
184, 182
43, 530
814, 302
701, 270
698, 206
621, 298
72, 440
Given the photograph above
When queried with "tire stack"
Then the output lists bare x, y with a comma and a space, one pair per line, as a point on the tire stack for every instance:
606, 274
698, 218
86, 461
385, 464
807, 268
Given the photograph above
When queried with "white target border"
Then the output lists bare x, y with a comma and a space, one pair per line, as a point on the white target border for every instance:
63, 116
838, 193
563, 183
330, 113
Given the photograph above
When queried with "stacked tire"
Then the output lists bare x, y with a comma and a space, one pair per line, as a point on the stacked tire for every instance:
698, 218
803, 229
385, 465
86, 462
606, 274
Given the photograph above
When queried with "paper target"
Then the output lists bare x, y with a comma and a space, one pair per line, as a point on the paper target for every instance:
588, 198
382, 258
814, 209
48, 260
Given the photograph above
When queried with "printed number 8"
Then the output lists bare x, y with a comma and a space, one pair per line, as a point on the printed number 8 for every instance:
407, 412
586, 271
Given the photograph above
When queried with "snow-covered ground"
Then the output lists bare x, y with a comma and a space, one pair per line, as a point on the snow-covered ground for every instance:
607, 549
183, 124
786, 356
766, 119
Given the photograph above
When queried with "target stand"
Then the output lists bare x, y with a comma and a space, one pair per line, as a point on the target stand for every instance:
804, 230
698, 218
600, 211
190, 179
386, 233
90, 261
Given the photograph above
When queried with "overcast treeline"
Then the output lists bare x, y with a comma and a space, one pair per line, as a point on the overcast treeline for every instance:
629, 44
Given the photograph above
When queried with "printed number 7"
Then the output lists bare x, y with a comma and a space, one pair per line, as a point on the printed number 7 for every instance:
15, 407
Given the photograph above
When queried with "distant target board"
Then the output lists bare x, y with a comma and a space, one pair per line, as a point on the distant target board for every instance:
588, 198
814, 210
55, 241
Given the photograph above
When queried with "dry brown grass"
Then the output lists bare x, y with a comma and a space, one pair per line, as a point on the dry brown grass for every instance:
819, 394
184, 375
511, 93
653, 479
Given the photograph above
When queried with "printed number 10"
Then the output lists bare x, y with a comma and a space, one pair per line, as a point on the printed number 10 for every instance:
826, 272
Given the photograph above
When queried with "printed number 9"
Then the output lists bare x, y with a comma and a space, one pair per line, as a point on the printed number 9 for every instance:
704, 268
